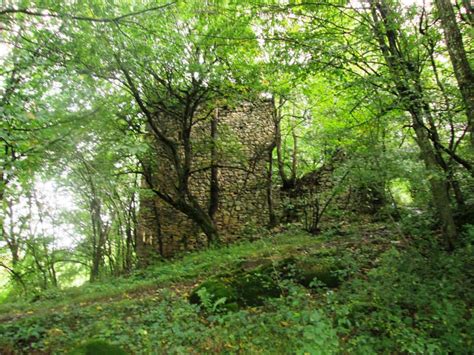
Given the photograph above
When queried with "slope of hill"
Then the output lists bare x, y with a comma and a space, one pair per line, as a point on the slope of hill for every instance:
387, 298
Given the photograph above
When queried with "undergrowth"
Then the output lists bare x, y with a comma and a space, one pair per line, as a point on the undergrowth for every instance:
396, 298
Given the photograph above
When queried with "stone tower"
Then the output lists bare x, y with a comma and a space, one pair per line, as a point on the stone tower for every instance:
243, 136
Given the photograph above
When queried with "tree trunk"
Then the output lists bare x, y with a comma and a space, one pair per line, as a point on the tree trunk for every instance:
214, 187
10, 238
198, 215
438, 182
288, 183
407, 83
157, 241
273, 221
148, 227
462, 69
130, 232
210, 230
99, 237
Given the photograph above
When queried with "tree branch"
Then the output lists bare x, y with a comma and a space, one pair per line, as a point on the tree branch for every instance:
47, 13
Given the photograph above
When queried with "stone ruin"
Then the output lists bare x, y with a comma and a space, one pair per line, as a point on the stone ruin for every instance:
313, 193
245, 134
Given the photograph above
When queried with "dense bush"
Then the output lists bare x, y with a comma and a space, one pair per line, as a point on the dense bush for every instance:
413, 302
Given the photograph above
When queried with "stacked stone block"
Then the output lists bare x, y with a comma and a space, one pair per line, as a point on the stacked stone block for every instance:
244, 135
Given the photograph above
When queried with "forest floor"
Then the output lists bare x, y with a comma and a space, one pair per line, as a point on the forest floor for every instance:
393, 298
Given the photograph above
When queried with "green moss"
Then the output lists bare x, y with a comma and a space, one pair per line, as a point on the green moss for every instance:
242, 288
256, 286
98, 347
216, 289
257, 280
323, 273
305, 270
253, 264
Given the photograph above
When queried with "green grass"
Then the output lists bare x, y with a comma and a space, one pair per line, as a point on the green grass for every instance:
392, 300
191, 266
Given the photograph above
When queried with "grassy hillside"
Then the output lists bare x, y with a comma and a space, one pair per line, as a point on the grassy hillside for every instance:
390, 299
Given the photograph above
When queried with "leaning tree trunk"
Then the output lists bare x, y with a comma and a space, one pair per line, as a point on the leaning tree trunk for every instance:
191, 208
437, 180
407, 83
462, 69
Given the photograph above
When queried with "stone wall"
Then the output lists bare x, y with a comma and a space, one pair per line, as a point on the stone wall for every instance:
314, 193
244, 135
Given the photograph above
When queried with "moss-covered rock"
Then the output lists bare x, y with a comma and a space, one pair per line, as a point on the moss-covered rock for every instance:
97, 347
257, 280
242, 288
253, 264
215, 289
325, 273
305, 270
256, 286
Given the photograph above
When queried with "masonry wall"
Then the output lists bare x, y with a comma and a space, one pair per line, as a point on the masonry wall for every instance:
244, 135
304, 202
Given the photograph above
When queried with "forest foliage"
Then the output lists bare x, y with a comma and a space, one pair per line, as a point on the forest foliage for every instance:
93, 92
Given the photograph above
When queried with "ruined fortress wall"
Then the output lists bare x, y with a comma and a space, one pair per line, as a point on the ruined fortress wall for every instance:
244, 134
